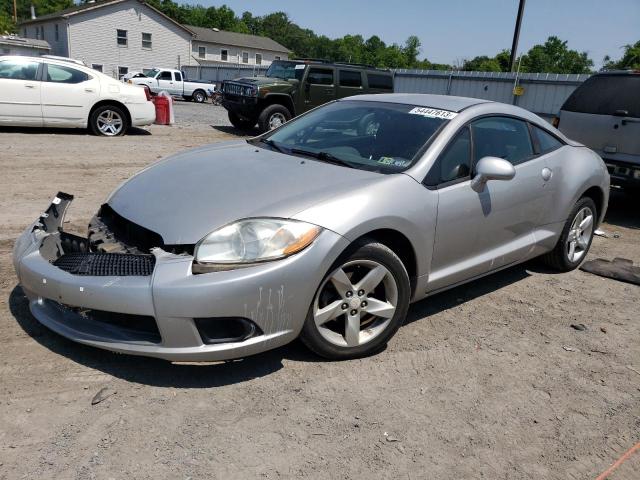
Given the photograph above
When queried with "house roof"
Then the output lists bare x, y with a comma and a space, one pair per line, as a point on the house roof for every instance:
68, 12
24, 42
209, 35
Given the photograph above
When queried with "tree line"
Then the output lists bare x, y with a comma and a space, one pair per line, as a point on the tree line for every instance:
553, 56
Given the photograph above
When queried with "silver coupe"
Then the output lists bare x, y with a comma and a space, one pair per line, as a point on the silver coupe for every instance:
326, 229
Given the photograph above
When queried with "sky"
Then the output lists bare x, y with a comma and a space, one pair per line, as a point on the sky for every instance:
452, 30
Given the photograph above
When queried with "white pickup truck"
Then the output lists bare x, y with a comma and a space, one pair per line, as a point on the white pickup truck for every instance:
173, 82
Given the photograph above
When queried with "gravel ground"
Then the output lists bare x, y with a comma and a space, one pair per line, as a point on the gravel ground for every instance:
487, 380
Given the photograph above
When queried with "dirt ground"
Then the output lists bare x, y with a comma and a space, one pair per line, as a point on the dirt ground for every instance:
487, 380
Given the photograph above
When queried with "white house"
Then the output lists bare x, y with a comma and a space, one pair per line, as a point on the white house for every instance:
213, 46
114, 36
121, 36
14, 45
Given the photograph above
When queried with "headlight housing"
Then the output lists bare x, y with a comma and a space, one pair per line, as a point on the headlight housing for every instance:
251, 241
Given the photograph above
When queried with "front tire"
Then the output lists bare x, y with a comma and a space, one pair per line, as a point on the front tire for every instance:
575, 239
241, 123
108, 121
360, 304
272, 117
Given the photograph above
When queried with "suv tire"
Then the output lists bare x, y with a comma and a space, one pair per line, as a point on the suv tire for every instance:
241, 123
272, 117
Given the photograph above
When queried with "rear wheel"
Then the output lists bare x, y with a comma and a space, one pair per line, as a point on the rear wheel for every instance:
199, 96
108, 121
272, 117
360, 304
576, 237
241, 123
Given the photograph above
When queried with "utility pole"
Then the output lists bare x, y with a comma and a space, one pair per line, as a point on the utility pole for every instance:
516, 36
15, 12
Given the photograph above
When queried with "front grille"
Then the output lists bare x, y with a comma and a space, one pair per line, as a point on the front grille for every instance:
106, 264
235, 88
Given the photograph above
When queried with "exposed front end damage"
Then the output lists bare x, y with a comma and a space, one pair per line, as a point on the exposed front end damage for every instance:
121, 288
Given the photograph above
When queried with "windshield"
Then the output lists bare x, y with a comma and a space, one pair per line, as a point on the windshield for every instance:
286, 70
151, 73
375, 136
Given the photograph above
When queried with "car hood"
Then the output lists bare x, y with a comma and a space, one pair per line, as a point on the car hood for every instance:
186, 196
260, 80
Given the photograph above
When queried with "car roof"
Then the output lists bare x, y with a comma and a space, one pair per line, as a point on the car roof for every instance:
444, 102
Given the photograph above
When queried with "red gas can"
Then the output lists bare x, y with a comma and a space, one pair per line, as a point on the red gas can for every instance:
162, 109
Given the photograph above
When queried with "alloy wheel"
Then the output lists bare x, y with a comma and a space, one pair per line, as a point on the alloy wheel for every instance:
356, 303
579, 235
110, 123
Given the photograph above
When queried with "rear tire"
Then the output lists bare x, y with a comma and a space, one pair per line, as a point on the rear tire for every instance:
272, 117
199, 96
108, 121
360, 304
565, 257
241, 123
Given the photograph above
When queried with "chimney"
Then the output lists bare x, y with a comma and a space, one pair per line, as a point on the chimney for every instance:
33, 12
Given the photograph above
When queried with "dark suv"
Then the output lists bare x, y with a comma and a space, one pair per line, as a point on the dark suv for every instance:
604, 114
291, 87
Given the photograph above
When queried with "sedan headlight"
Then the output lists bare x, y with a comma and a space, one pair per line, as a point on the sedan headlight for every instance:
253, 240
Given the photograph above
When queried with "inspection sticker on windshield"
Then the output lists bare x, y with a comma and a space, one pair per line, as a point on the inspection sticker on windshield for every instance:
433, 113
300, 67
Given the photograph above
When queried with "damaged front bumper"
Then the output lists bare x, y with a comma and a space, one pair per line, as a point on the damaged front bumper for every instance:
161, 309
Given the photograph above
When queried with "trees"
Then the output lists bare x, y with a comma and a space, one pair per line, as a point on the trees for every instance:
555, 57
630, 59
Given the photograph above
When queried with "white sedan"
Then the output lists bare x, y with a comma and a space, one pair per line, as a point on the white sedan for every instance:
45, 92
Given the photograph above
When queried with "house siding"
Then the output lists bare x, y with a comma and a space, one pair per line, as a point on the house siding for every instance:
58, 47
93, 38
235, 53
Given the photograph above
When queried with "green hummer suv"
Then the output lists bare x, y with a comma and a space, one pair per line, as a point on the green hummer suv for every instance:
291, 87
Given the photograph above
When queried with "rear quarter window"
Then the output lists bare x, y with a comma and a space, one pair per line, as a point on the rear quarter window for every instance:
384, 82
604, 94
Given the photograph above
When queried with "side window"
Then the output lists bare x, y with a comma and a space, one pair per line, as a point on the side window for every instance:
320, 76
165, 76
546, 142
18, 70
604, 94
61, 74
502, 137
349, 78
454, 162
178, 76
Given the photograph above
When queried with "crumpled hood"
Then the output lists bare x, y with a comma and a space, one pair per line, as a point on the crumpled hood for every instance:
186, 196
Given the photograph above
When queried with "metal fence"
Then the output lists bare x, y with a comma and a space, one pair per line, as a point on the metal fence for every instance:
542, 93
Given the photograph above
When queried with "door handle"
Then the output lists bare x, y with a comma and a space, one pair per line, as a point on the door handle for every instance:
89, 90
29, 85
546, 173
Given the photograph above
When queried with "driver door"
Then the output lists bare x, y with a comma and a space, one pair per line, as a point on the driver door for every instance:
165, 82
478, 232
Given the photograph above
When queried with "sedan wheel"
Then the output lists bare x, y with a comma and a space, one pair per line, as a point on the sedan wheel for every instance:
360, 304
110, 123
579, 236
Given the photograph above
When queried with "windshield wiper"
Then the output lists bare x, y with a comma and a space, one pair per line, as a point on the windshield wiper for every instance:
322, 156
272, 144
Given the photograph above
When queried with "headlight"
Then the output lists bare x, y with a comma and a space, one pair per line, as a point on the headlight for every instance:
254, 240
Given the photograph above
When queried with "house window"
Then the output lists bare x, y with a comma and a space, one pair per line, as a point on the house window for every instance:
258, 59
146, 40
122, 71
24, 32
122, 37
245, 57
202, 52
97, 67
277, 57
57, 33
224, 55
42, 32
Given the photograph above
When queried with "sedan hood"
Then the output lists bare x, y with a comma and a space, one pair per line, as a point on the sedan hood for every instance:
185, 197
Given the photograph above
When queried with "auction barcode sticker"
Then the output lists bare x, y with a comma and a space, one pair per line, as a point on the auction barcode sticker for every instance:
433, 113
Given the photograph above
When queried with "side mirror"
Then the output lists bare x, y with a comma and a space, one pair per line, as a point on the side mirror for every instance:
491, 168
307, 86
